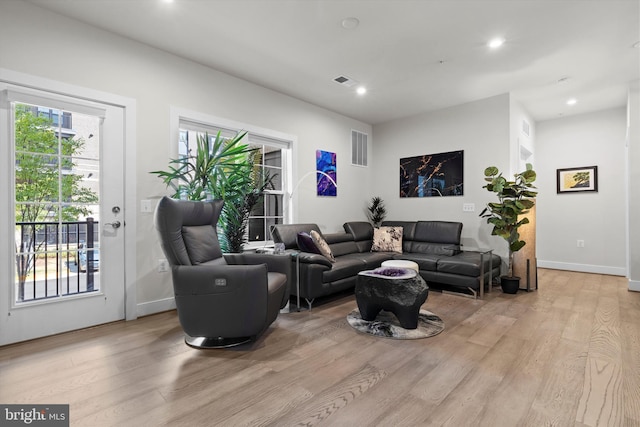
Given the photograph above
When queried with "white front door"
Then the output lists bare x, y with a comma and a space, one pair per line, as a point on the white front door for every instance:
62, 224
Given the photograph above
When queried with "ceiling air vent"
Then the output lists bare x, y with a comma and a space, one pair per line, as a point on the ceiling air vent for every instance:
345, 81
358, 148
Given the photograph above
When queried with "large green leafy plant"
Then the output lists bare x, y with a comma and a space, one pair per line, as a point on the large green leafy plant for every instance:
244, 189
515, 198
220, 168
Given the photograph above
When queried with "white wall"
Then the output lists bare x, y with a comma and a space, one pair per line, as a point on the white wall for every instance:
40, 43
522, 145
633, 148
481, 129
598, 218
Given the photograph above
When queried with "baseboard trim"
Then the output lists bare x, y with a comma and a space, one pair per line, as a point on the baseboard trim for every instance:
634, 285
153, 307
583, 268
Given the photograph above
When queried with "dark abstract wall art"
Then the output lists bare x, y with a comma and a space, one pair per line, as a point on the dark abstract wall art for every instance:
326, 168
432, 175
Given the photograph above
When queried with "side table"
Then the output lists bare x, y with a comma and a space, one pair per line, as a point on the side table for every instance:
295, 272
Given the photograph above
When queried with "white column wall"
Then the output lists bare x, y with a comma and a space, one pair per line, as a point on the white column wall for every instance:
598, 218
633, 148
479, 128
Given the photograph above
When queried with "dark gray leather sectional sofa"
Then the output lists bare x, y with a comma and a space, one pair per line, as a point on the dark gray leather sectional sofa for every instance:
433, 245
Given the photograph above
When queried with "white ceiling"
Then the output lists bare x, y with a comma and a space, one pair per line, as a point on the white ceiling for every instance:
413, 56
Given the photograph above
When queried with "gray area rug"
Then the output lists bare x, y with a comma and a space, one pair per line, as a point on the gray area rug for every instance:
386, 325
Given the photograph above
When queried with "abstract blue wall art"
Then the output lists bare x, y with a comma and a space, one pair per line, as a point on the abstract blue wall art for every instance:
326, 163
432, 175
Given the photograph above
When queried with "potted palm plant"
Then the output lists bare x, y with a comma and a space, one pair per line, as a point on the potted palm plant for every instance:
376, 211
220, 168
515, 198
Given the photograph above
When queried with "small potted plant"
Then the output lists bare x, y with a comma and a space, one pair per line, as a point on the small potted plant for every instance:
376, 211
515, 198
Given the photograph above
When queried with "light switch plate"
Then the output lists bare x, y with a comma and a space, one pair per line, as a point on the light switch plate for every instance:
145, 206
468, 207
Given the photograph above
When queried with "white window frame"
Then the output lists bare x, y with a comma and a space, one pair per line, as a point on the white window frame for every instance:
255, 135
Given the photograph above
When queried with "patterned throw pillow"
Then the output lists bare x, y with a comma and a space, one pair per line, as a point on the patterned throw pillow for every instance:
322, 245
387, 239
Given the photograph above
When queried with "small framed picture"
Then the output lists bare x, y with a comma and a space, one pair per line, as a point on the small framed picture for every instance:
574, 180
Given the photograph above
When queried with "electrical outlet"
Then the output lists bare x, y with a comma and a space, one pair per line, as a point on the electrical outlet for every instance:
145, 206
468, 207
163, 266
580, 243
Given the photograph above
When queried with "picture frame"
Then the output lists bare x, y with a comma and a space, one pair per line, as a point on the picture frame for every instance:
432, 175
326, 174
577, 180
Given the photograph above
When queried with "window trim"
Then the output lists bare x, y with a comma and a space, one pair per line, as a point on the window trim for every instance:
257, 134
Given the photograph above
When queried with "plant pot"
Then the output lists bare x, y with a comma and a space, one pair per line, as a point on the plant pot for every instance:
510, 285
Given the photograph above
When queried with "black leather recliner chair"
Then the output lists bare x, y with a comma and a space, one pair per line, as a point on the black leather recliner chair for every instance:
222, 300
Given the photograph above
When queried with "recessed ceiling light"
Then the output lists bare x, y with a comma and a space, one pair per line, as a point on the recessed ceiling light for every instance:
361, 90
496, 43
350, 23
572, 101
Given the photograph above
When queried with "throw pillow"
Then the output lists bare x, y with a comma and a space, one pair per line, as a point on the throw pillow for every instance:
387, 239
322, 245
201, 242
306, 244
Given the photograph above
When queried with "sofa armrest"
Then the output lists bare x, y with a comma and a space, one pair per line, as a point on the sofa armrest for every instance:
309, 258
275, 263
220, 279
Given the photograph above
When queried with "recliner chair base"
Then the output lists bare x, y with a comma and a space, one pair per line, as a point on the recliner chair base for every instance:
219, 342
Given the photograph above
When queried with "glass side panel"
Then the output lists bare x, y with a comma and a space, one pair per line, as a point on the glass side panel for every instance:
57, 194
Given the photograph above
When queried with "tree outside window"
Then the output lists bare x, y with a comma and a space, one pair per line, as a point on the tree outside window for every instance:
46, 188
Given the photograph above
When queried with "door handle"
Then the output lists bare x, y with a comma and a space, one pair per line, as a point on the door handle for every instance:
114, 224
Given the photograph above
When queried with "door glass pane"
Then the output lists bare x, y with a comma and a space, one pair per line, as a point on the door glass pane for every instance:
57, 195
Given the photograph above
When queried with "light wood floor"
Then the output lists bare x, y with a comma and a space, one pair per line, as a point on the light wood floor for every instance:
566, 355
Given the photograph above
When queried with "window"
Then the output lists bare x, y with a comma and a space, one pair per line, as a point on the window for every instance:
272, 162
270, 210
58, 118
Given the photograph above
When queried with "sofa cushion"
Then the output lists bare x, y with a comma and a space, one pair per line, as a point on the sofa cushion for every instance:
427, 262
306, 243
372, 260
443, 249
387, 239
467, 263
322, 245
288, 233
343, 267
360, 230
197, 240
340, 243
343, 248
362, 234
438, 232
